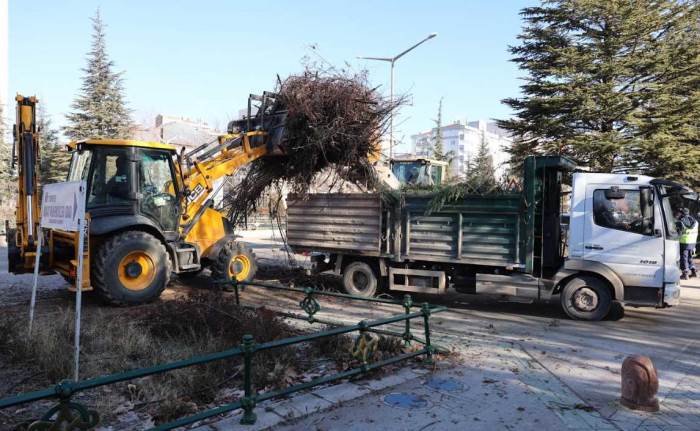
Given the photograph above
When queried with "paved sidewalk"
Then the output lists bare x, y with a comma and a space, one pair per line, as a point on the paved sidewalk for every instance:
540, 375
511, 391
511, 385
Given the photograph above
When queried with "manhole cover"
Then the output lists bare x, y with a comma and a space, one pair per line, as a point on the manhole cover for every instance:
403, 400
444, 384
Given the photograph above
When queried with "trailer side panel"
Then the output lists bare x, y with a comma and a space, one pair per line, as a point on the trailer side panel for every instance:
348, 223
482, 230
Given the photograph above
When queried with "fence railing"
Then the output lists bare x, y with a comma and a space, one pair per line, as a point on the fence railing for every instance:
68, 414
311, 306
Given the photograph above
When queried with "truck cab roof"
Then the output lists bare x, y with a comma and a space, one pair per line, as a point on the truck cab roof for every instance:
603, 178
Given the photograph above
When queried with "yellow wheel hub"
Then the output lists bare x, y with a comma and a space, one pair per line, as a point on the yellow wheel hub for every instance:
137, 270
239, 267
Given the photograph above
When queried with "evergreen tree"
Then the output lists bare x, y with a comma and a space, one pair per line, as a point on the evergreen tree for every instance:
8, 188
99, 110
612, 84
55, 160
438, 147
482, 175
5, 150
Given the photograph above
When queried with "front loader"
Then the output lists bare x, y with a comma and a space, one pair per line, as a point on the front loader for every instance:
149, 209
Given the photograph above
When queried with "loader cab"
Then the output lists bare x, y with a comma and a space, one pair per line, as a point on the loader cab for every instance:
133, 182
419, 171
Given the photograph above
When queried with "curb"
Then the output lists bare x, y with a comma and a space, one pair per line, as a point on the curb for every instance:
277, 412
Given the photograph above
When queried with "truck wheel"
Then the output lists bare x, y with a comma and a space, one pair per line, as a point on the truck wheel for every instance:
130, 268
236, 260
359, 279
586, 298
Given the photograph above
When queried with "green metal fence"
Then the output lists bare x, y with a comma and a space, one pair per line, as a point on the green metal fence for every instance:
68, 414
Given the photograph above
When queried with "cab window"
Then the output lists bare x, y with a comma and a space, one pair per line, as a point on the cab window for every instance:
621, 212
79, 165
110, 180
158, 191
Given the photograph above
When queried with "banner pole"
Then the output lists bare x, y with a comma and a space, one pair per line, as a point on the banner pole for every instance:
37, 260
78, 296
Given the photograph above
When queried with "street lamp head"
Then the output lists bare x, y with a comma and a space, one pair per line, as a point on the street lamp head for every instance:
432, 35
374, 58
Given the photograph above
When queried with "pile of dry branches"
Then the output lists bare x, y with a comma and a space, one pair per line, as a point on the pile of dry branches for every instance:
334, 120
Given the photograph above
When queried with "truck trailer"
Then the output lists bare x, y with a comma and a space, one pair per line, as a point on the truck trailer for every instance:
590, 238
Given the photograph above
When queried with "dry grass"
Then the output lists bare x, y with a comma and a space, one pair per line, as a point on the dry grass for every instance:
339, 349
115, 340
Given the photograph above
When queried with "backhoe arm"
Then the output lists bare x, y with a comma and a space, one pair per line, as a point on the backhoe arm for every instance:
26, 156
234, 151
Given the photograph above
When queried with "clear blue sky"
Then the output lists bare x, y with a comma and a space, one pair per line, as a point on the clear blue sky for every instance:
201, 59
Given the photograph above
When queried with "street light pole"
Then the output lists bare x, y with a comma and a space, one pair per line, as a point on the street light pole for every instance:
391, 118
392, 60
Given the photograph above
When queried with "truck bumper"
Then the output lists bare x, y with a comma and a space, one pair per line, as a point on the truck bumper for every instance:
672, 294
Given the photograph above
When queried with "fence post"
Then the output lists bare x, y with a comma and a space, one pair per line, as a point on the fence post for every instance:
366, 349
407, 304
229, 286
310, 305
425, 309
234, 283
248, 401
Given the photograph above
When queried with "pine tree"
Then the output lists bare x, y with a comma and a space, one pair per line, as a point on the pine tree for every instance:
5, 150
7, 175
55, 160
99, 110
438, 147
669, 125
482, 175
612, 84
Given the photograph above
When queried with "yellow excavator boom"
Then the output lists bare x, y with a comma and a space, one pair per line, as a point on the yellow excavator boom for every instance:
25, 158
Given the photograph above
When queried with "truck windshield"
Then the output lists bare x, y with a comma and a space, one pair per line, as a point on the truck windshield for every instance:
669, 221
416, 173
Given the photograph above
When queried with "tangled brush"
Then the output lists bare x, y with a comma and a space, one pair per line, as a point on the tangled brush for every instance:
334, 121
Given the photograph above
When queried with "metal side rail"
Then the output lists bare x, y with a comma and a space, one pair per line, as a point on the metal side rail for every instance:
311, 306
68, 414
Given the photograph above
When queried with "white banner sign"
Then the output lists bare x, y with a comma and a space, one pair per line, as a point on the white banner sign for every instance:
62, 205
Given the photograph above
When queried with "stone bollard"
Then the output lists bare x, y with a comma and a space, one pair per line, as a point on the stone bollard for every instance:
639, 384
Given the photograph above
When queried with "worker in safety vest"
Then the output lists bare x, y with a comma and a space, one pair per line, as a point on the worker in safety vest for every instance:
688, 228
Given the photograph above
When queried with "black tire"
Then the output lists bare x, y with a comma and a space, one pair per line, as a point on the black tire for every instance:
586, 298
359, 279
228, 265
110, 279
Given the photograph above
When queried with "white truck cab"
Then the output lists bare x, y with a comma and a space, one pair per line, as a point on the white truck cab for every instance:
623, 225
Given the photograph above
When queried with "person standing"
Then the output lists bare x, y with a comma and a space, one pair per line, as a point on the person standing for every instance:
688, 239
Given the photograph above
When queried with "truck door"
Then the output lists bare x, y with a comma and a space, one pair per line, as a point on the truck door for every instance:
620, 232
